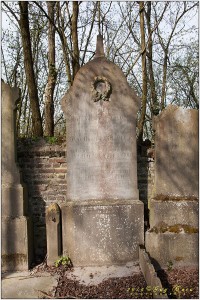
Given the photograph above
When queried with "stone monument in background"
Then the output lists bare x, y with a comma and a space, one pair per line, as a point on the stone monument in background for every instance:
173, 234
16, 239
102, 221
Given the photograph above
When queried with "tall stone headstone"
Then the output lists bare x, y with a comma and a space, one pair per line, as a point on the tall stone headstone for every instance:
103, 219
174, 214
177, 153
16, 227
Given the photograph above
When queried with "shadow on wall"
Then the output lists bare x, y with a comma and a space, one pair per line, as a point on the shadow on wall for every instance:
28, 163
43, 168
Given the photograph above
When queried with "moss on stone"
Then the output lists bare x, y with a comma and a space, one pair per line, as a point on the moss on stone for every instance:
162, 197
13, 259
177, 228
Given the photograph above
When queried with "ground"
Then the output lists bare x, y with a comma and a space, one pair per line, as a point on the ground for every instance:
178, 282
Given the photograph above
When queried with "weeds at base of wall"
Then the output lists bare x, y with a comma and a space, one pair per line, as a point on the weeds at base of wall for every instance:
63, 260
150, 291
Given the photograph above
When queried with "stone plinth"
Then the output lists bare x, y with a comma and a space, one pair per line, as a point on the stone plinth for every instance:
174, 212
102, 232
101, 111
177, 152
181, 249
16, 250
16, 228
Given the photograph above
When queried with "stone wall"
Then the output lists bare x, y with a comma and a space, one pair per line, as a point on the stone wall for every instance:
43, 169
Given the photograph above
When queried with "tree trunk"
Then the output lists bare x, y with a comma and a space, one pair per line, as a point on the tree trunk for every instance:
52, 74
144, 74
63, 40
164, 81
154, 104
28, 64
75, 55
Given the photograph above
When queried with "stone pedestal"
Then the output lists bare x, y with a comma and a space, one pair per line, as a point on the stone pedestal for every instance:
102, 232
16, 250
181, 249
174, 210
16, 227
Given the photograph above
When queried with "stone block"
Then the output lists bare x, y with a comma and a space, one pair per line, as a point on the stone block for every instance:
16, 228
16, 251
150, 274
177, 152
14, 200
54, 235
181, 249
103, 232
174, 212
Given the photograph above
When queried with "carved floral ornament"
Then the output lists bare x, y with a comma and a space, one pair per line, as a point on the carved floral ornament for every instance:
101, 89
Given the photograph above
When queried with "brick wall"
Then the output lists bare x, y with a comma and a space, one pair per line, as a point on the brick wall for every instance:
43, 168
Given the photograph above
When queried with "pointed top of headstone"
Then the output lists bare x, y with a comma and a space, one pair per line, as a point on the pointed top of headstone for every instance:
99, 46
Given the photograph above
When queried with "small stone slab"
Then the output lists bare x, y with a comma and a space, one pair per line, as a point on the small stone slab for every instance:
23, 285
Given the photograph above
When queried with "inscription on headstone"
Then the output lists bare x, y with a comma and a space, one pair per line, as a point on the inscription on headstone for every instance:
100, 113
102, 222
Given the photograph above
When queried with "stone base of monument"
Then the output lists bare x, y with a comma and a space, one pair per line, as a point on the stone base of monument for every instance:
16, 249
106, 232
174, 212
180, 249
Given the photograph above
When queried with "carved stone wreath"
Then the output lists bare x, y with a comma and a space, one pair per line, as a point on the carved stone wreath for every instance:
101, 89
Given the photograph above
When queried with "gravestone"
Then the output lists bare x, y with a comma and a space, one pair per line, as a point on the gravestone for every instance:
102, 220
177, 153
16, 227
53, 230
175, 202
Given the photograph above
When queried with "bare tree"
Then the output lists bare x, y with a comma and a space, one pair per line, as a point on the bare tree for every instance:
52, 74
165, 44
144, 73
28, 64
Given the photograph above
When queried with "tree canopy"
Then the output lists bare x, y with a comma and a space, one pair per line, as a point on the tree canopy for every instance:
45, 43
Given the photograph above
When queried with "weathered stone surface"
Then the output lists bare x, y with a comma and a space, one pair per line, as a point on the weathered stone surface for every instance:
43, 169
16, 250
150, 275
54, 235
102, 232
10, 172
103, 222
177, 152
16, 228
174, 212
101, 111
13, 200
181, 249
12, 191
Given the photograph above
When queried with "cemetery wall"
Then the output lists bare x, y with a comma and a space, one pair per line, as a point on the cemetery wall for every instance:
43, 169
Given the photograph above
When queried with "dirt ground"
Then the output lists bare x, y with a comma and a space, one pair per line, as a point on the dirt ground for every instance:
181, 283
